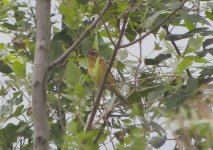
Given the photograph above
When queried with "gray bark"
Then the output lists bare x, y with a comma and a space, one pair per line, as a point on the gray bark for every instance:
41, 61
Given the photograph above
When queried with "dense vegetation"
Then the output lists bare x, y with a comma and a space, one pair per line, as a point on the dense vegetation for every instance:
166, 80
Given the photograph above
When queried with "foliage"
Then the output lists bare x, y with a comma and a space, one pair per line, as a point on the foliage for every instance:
169, 88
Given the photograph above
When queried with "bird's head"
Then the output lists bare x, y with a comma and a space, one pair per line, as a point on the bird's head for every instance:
93, 53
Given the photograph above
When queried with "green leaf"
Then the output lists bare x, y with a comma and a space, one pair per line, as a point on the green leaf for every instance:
60, 43
19, 69
3, 91
5, 109
151, 19
159, 141
18, 111
130, 34
9, 132
200, 60
175, 100
69, 97
71, 13
156, 127
79, 90
158, 59
194, 18
130, 63
194, 44
72, 73
4, 68
155, 94
191, 86
56, 133
123, 54
169, 46
209, 14
187, 62
174, 37
120, 65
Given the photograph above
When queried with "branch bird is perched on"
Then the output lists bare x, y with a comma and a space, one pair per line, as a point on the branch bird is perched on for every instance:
97, 68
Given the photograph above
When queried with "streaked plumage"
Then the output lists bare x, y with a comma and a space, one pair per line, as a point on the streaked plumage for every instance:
97, 68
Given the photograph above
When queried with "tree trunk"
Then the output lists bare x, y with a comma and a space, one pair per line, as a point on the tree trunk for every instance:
41, 61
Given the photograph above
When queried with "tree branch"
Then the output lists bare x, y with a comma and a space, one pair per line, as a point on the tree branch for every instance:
155, 28
81, 37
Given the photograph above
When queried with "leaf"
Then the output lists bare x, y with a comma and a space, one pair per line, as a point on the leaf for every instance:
206, 71
120, 65
56, 133
123, 54
4, 68
209, 15
204, 52
187, 62
19, 69
162, 34
9, 132
5, 109
151, 62
200, 60
79, 90
158, 59
194, 18
71, 13
105, 50
151, 19
72, 73
194, 44
60, 41
130, 34
169, 47
18, 111
163, 57
156, 127
207, 42
3, 91
69, 97
159, 141
9, 26
155, 94
191, 86
175, 37
174, 100
130, 63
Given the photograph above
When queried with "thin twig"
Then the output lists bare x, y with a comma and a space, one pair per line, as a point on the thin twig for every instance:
98, 136
155, 28
101, 130
111, 138
177, 49
106, 113
139, 63
105, 26
81, 37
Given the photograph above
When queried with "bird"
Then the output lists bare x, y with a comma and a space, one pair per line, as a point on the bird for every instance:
97, 67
